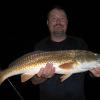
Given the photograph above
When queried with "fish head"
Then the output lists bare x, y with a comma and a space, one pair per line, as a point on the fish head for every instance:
89, 60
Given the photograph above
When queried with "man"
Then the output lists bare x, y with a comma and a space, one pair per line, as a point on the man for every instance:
51, 88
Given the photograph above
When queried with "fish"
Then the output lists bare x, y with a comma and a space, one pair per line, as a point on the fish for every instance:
66, 62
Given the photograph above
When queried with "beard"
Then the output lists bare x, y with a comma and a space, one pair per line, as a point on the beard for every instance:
59, 33
58, 30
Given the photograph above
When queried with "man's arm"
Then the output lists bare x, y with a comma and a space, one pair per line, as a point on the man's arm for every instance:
38, 80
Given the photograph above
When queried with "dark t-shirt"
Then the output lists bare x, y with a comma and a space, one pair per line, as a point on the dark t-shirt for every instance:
73, 87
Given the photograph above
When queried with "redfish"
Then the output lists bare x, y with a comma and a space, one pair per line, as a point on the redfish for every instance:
66, 62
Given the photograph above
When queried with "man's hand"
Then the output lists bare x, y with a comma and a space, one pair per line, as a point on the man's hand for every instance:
46, 72
95, 72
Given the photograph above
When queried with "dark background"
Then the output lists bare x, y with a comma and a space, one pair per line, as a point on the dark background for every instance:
23, 24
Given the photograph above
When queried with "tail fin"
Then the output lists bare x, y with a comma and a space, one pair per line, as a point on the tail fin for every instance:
1, 77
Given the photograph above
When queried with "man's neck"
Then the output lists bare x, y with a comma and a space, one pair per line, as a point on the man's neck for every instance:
58, 39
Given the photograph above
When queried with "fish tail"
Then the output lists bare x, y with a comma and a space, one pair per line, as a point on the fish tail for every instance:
1, 77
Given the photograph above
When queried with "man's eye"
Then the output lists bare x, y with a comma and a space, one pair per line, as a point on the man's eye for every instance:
62, 19
53, 19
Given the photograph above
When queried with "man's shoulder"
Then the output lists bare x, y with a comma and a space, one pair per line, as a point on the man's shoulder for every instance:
42, 42
75, 38
78, 41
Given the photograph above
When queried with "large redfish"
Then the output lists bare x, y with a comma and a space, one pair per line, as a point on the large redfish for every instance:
66, 62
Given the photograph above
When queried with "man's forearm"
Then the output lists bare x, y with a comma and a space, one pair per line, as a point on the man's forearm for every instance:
37, 80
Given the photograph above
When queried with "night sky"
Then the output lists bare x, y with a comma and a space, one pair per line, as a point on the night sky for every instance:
23, 24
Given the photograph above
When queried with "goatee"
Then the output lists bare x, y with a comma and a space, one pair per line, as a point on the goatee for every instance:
58, 33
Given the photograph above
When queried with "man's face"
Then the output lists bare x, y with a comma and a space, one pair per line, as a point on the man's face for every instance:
57, 21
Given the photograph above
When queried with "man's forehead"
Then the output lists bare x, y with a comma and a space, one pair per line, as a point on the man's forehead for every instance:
57, 11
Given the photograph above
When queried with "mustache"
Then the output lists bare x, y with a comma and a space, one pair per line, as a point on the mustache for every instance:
58, 25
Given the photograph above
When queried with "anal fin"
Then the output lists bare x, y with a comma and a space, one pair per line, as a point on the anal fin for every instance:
64, 77
25, 77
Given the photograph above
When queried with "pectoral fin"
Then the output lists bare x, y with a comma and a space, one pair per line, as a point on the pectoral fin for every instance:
64, 77
67, 65
25, 77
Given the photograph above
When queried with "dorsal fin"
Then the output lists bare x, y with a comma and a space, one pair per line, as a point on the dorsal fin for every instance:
38, 51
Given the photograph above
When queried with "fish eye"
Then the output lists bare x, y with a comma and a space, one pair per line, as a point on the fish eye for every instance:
95, 54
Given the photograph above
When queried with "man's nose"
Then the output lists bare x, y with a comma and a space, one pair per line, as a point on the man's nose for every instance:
58, 21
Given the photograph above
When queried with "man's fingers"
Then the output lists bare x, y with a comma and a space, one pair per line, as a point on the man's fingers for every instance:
49, 64
97, 68
48, 68
39, 74
47, 72
96, 72
53, 69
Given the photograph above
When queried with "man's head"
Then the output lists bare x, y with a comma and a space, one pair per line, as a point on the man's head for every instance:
57, 22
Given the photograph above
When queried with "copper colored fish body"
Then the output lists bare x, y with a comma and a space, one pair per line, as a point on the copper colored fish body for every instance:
66, 62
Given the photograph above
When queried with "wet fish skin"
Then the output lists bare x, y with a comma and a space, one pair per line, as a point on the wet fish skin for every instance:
66, 62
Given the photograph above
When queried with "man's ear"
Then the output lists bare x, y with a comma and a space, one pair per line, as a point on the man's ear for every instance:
67, 22
47, 22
